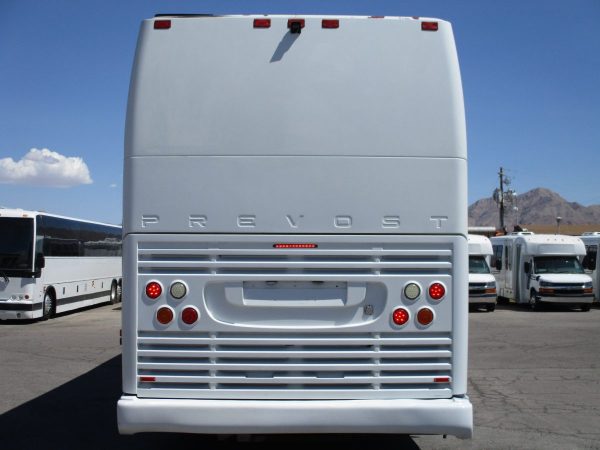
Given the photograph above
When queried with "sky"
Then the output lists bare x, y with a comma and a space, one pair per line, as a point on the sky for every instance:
530, 72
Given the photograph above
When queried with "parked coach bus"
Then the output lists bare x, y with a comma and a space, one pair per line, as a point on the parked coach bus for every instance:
51, 264
295, 230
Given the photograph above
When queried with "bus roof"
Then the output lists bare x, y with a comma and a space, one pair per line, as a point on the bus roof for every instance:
16, 212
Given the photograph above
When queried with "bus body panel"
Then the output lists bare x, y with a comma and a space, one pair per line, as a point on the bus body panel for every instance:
242, 143
312, 195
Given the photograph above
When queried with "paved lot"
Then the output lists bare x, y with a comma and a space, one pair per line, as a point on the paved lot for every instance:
535, 383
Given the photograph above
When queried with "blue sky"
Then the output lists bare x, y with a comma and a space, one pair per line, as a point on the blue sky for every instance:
531, 78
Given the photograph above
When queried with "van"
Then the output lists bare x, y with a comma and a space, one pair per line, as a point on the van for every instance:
482, 284
535, 269
590, 264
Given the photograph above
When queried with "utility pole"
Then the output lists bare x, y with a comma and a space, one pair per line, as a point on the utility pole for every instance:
502, 197
501, 174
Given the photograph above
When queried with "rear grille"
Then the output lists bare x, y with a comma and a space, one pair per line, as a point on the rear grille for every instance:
363, 259
294, 365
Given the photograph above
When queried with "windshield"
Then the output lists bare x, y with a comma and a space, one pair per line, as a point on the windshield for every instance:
557, 264
16, 242
477, 264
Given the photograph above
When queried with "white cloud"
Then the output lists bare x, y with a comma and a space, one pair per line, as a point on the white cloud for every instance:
45, 168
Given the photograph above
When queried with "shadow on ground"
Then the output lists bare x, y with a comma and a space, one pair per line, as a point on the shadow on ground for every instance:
81, 414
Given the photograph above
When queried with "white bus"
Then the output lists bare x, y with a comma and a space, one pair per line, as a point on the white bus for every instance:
482, 284
51, 264
535, 269
590, 262
295, 228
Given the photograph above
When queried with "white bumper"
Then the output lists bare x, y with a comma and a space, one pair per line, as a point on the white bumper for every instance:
437, 416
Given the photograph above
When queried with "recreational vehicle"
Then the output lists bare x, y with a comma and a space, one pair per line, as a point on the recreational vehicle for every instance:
482, 284
590, 263
541, 268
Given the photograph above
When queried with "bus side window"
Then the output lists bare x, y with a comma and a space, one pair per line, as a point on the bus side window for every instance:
508, 257
589, 260
497, 257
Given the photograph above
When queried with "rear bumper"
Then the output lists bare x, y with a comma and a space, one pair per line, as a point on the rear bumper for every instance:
438, 416
19, 310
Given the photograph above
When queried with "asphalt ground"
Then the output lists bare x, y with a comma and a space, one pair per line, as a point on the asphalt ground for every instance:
534, 384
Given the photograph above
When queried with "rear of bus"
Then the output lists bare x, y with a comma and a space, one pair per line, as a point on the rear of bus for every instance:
295, 222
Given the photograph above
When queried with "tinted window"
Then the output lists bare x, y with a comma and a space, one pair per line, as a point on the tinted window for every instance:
16, 242
477, 264
65, 237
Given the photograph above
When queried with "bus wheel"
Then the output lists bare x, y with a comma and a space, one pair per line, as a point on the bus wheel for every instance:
49, 306
585, 307
113, 293
491, 307
534, 303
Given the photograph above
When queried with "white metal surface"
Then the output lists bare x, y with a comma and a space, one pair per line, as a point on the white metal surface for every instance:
591, 240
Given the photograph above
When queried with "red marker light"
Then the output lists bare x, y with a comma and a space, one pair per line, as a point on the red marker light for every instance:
441, 380
429, 26
295, 246
147, 379
330, 23
300, 21
437, 291
400, 316
262, 23
153, 290
189, 315
162, 24
164, 315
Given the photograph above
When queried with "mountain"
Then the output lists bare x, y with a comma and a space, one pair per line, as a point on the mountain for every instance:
539, 206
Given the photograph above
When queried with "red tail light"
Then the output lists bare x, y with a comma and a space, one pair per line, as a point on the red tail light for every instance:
153, 290
162, 24
400, 316
437, 291
425, 316
164, 315
189, 315
441, 380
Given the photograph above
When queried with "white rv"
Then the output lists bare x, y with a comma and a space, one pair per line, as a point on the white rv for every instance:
295, 228
590, 262
541, 268
482, 284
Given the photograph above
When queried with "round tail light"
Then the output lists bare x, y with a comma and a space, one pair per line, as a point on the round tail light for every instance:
400, 316
153, 290
437, 291
164, 315
189, 315
425, 316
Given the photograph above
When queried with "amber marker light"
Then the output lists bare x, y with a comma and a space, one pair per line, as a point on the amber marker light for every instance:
164, 315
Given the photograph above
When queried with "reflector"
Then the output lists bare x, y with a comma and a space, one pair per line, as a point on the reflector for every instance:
429, 26
425, 316
162, 24
330, 23
189, 315
164, 315
262, 23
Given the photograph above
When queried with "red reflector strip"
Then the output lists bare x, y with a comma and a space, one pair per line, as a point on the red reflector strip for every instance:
162, 24
262, 23
330, 23
147, 379
295, 246
441, 380
300, 21
429, 26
